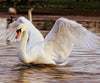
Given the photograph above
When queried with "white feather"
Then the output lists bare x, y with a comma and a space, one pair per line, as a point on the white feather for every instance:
67, 33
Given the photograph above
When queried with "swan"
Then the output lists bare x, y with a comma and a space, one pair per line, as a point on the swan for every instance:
55, 47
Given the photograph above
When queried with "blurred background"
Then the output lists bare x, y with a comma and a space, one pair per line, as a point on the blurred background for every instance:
59, 7
43, 13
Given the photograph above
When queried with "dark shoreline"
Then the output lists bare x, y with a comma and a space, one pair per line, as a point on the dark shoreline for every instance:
50, 16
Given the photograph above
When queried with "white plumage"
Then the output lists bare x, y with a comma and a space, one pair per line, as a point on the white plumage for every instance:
56, 46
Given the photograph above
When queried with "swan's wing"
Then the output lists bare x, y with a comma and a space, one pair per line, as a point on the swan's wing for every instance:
67, 33
33, 32
10, 33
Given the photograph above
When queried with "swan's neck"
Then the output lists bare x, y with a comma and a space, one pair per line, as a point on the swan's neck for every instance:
30, 14
23, 41
22, 48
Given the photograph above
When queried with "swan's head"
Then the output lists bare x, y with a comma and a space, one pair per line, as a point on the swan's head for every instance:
21, 28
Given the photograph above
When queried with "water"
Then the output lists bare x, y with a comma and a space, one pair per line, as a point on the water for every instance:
83, 67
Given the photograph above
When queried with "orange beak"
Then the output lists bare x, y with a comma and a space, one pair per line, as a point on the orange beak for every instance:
18, 34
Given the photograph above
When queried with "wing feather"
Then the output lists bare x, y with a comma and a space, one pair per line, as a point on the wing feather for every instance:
67, 33
34, 33
10, 33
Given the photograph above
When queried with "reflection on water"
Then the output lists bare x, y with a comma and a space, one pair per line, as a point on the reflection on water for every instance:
83, 67
79, 69
41, 74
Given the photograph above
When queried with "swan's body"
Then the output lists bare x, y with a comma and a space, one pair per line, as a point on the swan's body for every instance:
33, 52
57, 45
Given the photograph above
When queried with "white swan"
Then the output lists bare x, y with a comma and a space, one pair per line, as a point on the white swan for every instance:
56, 46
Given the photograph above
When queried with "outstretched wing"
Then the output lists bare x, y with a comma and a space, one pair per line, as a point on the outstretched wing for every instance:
67, 33
10, 33
33, 32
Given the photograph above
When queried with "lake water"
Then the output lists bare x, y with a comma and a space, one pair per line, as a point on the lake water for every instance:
83, 67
